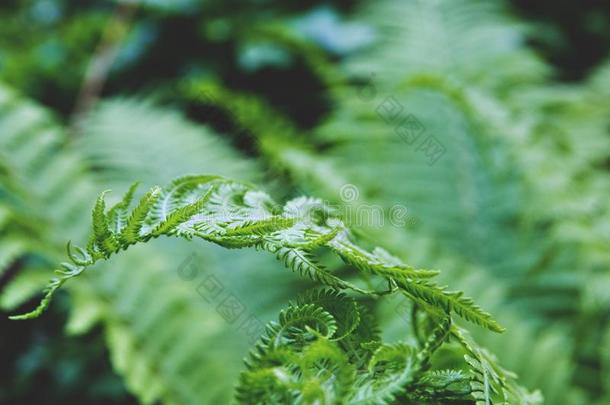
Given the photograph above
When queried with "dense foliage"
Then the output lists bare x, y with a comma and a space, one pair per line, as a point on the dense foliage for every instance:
432, 129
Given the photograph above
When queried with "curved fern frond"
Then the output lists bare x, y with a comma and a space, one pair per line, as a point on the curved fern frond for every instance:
321, 352
343, 308
301, 320
391, 369
218, 210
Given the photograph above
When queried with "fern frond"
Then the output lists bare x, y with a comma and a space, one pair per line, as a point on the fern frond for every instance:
475, 204
441, 386
117, 215
411, 284
12, 248
239, 214
104, 240
181, 215
260, 227
344, 309
391, 369
50, 195
450, 301
303, 263
378, 262
223, 218
131, 232
300, 320
491, 383
49, 291
281, 369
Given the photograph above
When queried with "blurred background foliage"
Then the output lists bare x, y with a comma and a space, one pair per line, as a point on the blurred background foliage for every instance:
96, 94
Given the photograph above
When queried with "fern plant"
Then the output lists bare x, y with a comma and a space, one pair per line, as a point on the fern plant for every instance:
518, 164
237, 215
514, 144
326, 348
486, 268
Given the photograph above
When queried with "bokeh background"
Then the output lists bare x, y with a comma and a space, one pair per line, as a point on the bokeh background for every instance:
511, 202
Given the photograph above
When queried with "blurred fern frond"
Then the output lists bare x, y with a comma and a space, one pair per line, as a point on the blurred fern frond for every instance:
41, 183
